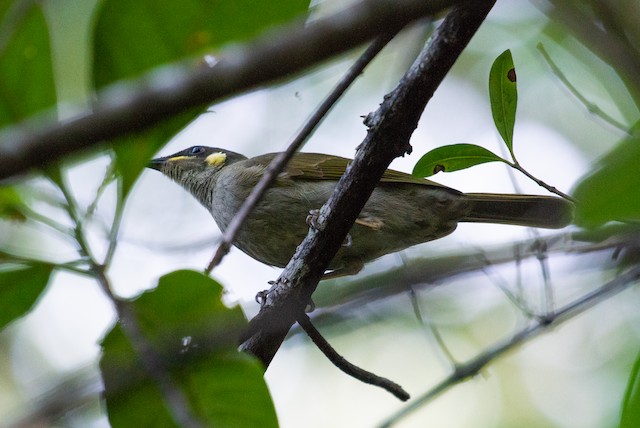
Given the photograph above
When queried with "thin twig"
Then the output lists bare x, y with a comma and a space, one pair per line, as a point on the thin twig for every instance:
78, 230
475, 365
47, 221
503, 286
201, 243
590, 106
515, 164
340, 362
109, 177
543, 260
281, 160
429, 327
115, 224
607, 46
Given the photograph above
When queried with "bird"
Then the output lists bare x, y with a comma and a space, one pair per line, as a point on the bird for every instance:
402, 211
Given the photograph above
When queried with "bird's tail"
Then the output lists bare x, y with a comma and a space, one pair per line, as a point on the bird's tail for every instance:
521, 210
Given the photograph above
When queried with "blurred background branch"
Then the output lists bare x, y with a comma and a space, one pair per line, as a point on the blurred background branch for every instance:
133, 107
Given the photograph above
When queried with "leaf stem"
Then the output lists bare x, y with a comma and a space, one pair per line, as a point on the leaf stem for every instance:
516, 165
115, 225
42, 219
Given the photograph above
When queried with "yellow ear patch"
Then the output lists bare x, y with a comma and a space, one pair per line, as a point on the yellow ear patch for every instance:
216, 159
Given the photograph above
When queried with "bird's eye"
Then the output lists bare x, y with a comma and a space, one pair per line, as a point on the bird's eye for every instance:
196, 150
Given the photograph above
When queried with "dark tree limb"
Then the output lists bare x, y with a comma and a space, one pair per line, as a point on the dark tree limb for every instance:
150, 101
390, 128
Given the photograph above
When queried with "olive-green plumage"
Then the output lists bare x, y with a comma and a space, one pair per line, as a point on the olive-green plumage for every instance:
402, 211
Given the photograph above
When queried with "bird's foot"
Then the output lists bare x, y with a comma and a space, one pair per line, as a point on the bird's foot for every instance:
312, 219
262, 296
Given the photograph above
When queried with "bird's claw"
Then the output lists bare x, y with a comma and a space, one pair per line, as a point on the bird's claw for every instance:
312, 219
261, 297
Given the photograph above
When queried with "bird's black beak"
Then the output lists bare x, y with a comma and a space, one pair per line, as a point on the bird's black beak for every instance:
157, 163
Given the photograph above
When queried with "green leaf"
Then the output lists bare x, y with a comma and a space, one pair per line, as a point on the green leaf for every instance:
20, 288
612, 191
11, 204
132, 37
630, 417
196, 335
453, 158
26, 73
135, 36
503, 94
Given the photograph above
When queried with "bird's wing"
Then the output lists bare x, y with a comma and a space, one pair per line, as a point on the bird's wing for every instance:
317, 166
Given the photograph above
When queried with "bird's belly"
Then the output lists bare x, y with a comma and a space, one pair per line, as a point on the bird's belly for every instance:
393, 219
277, 225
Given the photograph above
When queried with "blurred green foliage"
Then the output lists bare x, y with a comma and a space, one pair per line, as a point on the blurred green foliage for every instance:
611, 192
26, 73
20, 288
196, 336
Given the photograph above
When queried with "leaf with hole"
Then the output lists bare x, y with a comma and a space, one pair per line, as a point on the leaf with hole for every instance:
503, 94
453, 158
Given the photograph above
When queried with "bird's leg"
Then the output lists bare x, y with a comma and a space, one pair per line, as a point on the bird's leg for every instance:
312, 219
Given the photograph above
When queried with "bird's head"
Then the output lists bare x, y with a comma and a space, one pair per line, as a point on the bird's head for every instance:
196, 168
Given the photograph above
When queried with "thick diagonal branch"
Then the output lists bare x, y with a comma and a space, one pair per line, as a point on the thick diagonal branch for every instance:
390, 128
